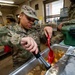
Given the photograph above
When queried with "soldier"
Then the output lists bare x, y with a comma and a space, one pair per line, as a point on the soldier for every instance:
10, 20
70, 19
23, 34
72, 10
71, 15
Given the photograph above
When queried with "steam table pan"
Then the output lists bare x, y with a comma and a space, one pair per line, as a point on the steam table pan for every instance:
31, 64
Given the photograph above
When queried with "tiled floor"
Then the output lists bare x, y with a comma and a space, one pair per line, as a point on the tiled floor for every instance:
6, 65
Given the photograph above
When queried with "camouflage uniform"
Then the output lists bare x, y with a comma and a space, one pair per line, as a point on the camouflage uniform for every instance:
11, 35
72, 11
70, 21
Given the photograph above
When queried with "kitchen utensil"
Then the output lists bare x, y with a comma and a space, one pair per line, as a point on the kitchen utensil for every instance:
51, 53
38, 56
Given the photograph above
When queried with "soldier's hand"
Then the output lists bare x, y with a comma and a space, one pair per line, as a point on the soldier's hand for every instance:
29, 44
60, 26
48, 31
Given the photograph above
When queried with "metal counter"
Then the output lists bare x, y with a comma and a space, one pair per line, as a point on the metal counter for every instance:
27, 67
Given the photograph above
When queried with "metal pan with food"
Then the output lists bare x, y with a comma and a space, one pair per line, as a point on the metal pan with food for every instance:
66, 64
33, 67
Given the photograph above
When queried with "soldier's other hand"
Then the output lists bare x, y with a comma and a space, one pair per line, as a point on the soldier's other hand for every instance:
61, 25
29, 44
48, 31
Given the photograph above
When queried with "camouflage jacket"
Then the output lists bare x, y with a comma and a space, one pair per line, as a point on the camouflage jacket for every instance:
11, 35
72, 11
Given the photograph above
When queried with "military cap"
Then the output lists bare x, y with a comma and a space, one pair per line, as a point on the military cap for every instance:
30, 12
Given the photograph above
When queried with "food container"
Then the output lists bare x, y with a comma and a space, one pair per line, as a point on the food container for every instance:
27, 67
65, 66
58, 68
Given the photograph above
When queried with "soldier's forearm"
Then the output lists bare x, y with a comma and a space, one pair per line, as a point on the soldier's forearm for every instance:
8, 37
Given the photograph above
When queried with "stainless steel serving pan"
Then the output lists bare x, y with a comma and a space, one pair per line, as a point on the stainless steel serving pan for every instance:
27, 67
64, 65
58, 68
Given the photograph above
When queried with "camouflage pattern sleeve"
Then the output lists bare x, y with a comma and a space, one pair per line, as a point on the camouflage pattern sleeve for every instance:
68, 23
71, 11
8, 37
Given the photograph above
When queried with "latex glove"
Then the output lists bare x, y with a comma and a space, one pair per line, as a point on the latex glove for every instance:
48, 31
29, 44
